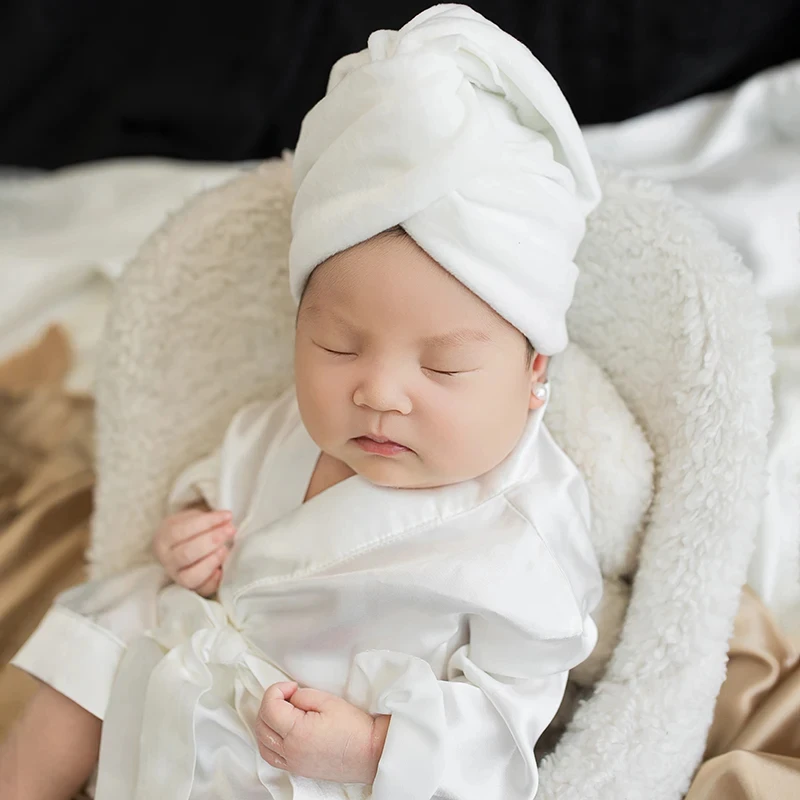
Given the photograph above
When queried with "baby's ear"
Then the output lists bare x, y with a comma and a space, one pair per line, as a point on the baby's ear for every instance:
538, 381
539, 368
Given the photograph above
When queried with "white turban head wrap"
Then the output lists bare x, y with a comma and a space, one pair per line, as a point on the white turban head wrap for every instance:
452, 129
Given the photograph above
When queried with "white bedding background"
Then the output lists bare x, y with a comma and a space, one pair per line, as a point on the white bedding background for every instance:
736, 156
65, 236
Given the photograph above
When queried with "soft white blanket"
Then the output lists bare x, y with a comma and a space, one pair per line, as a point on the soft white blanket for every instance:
736, 156
65, 236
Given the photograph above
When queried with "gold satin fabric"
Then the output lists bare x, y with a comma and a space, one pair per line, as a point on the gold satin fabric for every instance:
46, 480
753, 748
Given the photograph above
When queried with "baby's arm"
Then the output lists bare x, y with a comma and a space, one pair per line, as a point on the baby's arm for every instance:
51, 750
466, 738
192, 546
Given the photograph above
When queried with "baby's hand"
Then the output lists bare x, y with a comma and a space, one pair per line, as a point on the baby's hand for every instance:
191, 547
318, 735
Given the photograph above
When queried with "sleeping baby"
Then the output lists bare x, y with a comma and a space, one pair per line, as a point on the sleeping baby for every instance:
377, 584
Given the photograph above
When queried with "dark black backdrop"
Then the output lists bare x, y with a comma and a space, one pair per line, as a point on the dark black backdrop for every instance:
88, 79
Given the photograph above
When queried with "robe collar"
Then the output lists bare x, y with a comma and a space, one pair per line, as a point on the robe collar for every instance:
355, 516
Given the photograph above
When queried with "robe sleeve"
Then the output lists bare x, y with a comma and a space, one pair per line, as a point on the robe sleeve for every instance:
78, 645
471, 737
199, 481
228, 477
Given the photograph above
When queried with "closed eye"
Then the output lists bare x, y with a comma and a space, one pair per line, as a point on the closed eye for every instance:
444, 372
335, 352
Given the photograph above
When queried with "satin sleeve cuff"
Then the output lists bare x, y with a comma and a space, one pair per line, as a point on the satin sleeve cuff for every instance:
79, 644
73, 655
446, 739
468, 738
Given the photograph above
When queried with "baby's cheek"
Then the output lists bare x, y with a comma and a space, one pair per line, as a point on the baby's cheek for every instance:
318, 405
476, 435
449, 438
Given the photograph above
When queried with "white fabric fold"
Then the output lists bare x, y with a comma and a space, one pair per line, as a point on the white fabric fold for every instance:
193, 671
472, 736
451, 128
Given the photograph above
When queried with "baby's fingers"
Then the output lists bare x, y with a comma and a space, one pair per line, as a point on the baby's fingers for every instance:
192, 522
190, 551
211, 585
269, 739
276, 713
196, 575
270, 745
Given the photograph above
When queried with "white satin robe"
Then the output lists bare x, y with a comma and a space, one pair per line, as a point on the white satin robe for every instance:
457, 610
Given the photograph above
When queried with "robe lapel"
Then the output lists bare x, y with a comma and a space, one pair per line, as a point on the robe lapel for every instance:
353, 516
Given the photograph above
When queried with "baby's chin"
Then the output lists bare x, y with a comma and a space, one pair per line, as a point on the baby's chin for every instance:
394, 474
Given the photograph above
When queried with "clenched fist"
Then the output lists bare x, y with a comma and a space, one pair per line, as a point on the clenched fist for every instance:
318, 735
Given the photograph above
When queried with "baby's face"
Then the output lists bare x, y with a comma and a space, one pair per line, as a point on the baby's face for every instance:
389, 346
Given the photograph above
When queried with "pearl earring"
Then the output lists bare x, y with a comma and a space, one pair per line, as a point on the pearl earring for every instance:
540, 391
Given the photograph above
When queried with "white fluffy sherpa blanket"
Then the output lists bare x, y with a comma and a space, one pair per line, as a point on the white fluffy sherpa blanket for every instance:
671, 350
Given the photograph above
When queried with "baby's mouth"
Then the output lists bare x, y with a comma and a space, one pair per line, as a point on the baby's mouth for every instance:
380, 446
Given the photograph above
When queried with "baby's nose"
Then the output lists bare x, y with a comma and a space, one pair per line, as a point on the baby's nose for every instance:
382, 391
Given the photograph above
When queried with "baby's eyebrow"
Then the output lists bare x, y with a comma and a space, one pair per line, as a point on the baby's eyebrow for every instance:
449, 339
315, 311
456, 337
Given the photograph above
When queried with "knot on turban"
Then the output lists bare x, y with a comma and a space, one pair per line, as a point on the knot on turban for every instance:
452, 129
